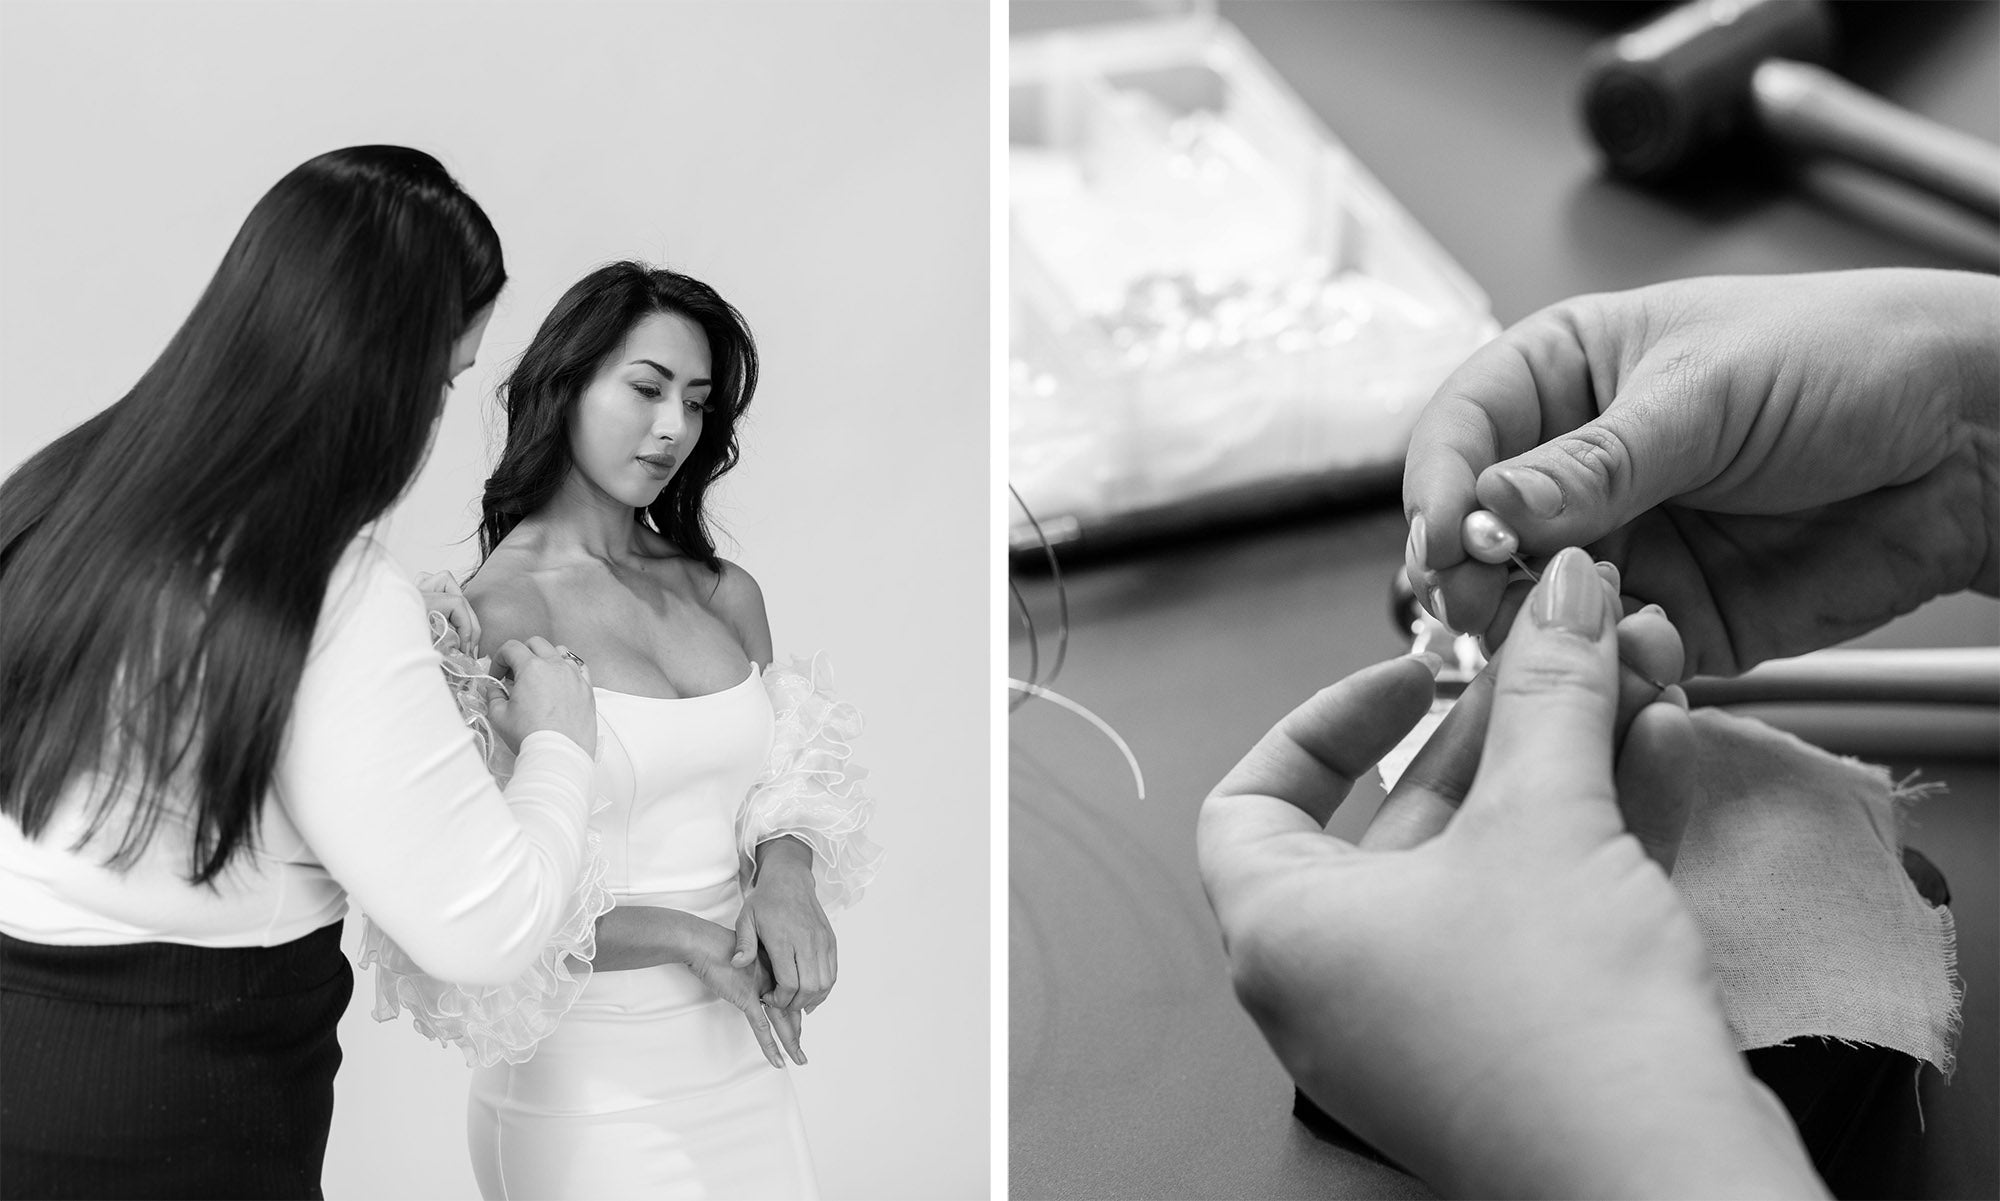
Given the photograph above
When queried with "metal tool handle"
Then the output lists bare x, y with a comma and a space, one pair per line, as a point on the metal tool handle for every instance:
1814, 109
1966, 675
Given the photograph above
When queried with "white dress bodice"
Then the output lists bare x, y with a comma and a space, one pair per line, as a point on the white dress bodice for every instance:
675, 773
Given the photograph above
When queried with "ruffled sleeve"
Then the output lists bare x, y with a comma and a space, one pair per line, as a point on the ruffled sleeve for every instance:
504, 1021
810, 789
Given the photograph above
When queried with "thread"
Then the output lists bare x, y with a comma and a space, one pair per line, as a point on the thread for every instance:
1036, 685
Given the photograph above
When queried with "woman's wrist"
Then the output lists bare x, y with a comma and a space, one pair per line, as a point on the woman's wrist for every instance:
1656, 1126
785, 852
635, 936
688, 938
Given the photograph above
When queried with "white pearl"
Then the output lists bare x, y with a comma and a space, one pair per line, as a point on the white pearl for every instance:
1487, 538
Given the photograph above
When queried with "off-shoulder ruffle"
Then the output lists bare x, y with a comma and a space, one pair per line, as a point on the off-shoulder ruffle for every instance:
502, 1021
472, 685
809, 788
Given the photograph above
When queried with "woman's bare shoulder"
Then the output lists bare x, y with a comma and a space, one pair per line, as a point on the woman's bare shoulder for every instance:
738, 600
736, 589
507, 599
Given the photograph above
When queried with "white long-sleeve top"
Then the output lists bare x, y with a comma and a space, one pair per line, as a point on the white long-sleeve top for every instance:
380, 794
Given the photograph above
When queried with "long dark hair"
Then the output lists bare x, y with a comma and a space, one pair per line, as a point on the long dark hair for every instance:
587, 325
162, 566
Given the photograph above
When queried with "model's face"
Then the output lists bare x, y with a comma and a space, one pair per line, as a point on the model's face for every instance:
641, 415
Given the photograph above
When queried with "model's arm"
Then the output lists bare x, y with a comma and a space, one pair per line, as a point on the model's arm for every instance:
385, 784
637, 936
742, 603
781, 913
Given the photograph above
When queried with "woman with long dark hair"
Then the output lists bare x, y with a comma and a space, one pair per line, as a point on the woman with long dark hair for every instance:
220, 713
733, 819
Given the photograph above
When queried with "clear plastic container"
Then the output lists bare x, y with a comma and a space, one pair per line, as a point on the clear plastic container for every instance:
1209, 293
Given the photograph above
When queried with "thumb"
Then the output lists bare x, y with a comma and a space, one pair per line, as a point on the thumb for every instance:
1546, 766
1579, 486
746, 940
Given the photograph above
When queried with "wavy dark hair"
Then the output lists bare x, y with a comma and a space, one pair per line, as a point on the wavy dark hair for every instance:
585, 328
162, 566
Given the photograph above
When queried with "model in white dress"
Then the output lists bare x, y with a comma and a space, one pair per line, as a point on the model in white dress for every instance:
644, 1082
651, 1085
650, 1080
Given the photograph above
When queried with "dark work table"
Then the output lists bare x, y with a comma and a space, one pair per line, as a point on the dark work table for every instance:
1133, 1071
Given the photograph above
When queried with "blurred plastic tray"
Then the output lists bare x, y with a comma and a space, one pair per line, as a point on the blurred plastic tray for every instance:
1216, 309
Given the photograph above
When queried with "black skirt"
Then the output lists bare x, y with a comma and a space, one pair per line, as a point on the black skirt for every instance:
161, 1070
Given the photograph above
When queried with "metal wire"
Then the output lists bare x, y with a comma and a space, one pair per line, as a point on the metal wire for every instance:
1034, 645
1062, 590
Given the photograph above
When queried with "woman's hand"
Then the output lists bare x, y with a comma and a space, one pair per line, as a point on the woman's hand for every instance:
1428, 793
442, 595
782, 912
1781, 462
1504, 991
545, 691
710, 954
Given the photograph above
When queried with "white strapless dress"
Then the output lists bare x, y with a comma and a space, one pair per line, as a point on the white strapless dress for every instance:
650, 1085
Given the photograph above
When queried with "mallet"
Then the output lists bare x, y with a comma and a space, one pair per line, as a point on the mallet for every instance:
1656, 98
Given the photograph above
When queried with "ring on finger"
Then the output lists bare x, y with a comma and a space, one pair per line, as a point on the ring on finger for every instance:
573, 657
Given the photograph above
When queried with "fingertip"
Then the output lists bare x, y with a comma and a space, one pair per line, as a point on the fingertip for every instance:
1572, 597
1555, 708
1525, 492
1651, 646
1655, 778
1465, 596
1659, 747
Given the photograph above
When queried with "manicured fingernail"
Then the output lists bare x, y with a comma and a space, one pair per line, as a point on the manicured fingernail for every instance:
1417, 547
1655, 610
1434, 601
1610, 573
1570, 596
1432, 661
1539, 494
1673, 695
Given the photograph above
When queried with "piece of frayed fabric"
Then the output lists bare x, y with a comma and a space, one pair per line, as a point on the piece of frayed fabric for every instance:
498, 1022
1791, 864
810, 789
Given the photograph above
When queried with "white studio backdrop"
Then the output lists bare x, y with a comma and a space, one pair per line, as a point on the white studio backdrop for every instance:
824, 166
